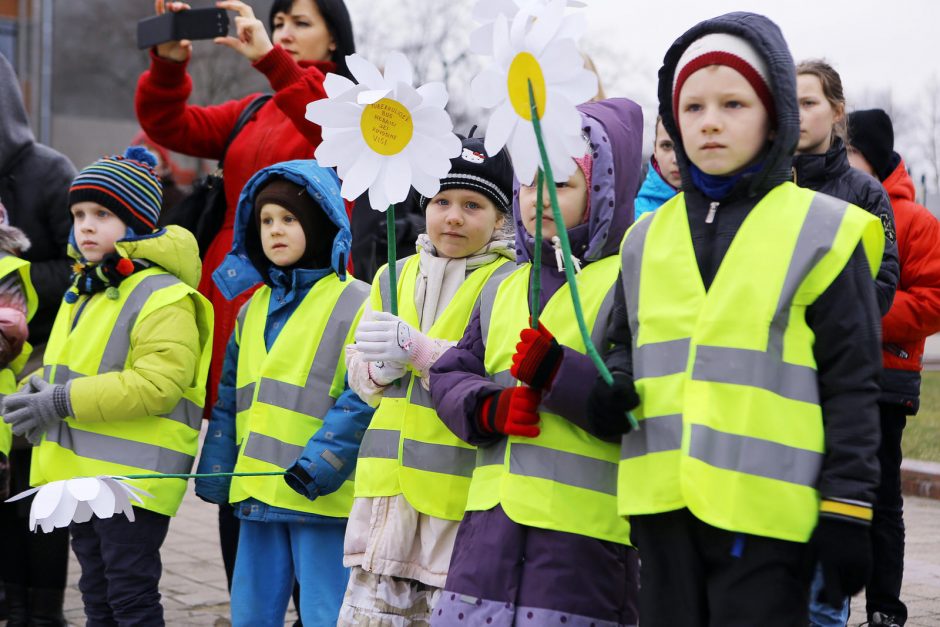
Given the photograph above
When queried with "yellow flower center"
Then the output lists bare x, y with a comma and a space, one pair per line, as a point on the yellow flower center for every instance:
386, 126
523, 69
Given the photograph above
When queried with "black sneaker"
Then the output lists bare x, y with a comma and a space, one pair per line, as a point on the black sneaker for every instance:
883, 620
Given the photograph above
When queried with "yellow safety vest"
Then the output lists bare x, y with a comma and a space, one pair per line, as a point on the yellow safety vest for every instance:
8, 265
565, 479
730, 421
100, 343
407, 449
281, 396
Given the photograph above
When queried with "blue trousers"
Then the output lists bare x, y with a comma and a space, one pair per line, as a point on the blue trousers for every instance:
821, 614
271, 555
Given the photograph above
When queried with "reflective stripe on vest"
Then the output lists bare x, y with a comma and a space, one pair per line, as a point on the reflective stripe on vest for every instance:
163, 444
279, 408
769, 464
564, 479
407, 450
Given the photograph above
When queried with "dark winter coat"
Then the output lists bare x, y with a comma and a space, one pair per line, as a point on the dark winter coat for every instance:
845, 318
830, 173
34, 188
915, 313
494, 557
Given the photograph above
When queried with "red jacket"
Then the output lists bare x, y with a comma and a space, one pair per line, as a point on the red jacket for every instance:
278, 132
915, 313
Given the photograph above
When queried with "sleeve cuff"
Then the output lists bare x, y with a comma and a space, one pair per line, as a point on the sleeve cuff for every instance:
164, 72
846, 510
280, 68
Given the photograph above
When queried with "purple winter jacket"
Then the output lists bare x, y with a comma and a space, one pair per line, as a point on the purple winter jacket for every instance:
501, 571
458, 383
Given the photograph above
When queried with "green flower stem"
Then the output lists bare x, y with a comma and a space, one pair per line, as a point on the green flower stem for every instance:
535, 288
566, 250
199, 475
392, 258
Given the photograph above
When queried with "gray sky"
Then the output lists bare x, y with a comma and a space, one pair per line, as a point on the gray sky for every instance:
874, 44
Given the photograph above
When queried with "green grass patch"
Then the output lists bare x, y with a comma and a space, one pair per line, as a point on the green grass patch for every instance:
922, 434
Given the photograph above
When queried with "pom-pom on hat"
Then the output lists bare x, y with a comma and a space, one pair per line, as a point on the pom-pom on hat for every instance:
127, 185
724, 49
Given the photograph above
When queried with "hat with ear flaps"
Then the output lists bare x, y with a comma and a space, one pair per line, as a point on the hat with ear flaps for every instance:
245, 266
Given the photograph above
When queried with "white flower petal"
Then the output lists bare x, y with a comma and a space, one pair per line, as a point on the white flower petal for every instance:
546, 26
333, 113
48, 499
398, 69
103, 504
503, 52
561, 61
489, 88
84, 488
427, 186
431, 121
397, 179
524, 152
341, 152
64, 511
83, 512
365, 72
335, 85
372, 96
581, 88
481, 40
500, 126
487, 10
407, 96
361, 174
377, 198
433, 95
574, 26
23, 494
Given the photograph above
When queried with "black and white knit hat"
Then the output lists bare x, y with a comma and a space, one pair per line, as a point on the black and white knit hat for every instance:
724, 49
474, 169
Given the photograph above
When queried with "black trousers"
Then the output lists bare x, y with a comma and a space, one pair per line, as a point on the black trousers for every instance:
883, 592
121, 568
696, 575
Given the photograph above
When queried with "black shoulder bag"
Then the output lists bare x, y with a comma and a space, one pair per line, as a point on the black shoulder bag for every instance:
203, 211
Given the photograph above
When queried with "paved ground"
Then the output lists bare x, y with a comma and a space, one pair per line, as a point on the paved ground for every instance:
194, 583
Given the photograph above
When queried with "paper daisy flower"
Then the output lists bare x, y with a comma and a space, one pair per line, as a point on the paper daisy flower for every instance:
485, 13
382, 134
533, 51
59, 503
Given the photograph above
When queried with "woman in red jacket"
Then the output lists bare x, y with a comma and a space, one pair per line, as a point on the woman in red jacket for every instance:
309, 39
913, 317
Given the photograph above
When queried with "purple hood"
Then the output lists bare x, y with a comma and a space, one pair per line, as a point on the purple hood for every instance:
614, 128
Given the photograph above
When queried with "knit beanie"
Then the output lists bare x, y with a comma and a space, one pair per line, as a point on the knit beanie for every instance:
126, 185
732, 51
319, 230
872, 134
475, 170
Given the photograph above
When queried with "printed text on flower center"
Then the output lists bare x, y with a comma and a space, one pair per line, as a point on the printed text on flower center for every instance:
386, 126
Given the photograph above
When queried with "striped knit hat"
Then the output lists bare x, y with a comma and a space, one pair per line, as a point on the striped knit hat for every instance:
126, 185
724, 49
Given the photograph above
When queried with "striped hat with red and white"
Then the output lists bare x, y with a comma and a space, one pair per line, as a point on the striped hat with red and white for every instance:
729, 50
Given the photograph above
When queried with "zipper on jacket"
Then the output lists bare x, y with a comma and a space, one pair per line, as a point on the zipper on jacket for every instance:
78, 313
560, 256
712, 210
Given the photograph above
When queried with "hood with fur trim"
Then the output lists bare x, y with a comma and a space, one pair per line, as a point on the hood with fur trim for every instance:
767, 39
614, 132
245, 266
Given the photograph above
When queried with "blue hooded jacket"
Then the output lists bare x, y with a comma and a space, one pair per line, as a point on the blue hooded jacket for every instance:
653, 193
344, 424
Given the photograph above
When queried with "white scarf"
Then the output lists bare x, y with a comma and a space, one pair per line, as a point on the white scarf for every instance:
439, 278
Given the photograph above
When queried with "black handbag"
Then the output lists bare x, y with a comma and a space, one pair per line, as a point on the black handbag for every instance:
203, 211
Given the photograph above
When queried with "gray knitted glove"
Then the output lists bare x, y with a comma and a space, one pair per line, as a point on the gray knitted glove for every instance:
33, 410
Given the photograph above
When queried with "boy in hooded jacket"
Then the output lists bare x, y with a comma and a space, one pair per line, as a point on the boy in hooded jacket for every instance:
283, 402
541, 540
745, 340
123, 381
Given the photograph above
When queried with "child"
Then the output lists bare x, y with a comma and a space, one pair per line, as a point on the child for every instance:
821, 164
17, 304
541, 540
747, 317
662, 176
914, 316
413, 473
124, 379
283, 403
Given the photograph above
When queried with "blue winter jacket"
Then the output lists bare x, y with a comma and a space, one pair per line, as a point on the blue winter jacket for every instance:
344, 424
653, 193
